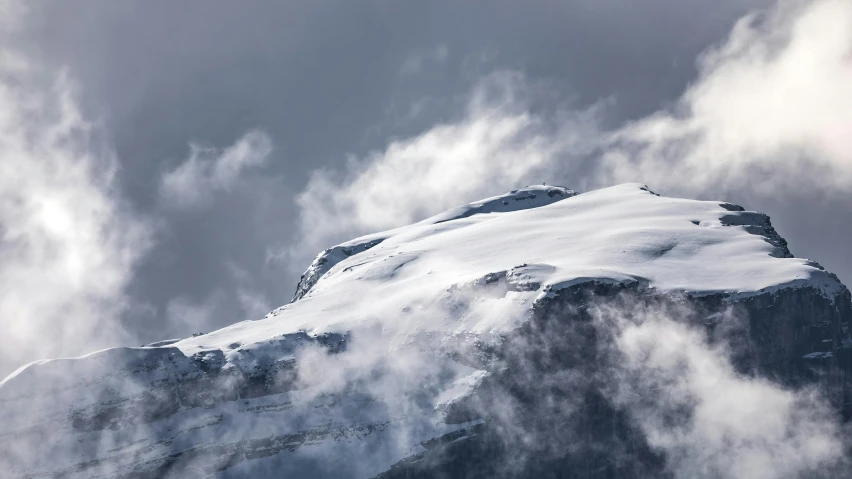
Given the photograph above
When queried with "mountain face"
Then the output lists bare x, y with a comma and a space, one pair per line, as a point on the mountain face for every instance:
542, 333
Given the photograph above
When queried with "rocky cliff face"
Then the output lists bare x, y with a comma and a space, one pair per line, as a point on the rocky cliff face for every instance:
556, 376
536, 334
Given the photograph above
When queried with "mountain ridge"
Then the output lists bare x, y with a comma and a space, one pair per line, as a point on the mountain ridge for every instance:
394, 341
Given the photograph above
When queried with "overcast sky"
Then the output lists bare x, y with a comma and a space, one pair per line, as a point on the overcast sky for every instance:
171, 167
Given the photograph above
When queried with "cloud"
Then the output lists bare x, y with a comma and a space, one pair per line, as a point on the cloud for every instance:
238, 302
186, 315
708, 419
416, 62
495, 146
253, 303
11, 11
68, 243
771, 108
209, 170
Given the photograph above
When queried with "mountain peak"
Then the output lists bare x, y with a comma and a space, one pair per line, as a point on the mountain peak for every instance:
525, 198
411, 341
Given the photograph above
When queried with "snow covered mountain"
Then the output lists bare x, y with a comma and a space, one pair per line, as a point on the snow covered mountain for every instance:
485, 341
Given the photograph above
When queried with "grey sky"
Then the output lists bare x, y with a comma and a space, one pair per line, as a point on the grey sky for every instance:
328, 80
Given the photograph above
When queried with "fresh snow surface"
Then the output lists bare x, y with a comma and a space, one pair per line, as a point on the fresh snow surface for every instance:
620, 234
524, 198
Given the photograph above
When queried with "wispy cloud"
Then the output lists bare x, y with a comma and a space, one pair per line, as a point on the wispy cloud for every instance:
237, 302
209, 170
416, 62
771, 108
495, 146
187, 315
68, 243
709, 419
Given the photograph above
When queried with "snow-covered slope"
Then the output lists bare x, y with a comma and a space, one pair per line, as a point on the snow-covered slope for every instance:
385, 334
515, 200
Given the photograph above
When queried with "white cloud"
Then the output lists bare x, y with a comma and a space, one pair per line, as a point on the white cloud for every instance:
496, 146
771, 108
709, 420
68, 245
186, 315
208, 170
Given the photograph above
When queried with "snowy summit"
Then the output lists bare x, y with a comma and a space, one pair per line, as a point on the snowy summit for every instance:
392, 338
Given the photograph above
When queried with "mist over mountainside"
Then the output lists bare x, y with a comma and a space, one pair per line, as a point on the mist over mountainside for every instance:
540, 333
